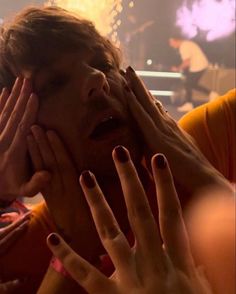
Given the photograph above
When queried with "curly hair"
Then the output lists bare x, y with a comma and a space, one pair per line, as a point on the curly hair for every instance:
37, 36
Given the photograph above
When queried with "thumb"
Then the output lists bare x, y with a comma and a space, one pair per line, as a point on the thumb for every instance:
38, 181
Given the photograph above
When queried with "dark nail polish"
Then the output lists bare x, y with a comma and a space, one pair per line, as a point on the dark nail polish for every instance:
160, 161
121, 154
54, 240
88, 179
130, 68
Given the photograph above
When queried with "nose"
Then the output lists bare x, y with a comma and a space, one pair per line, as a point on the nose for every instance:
97, 84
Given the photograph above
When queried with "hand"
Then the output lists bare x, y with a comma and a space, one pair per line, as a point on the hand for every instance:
63, 193
147, 267
11, 233
162, 134
18, 111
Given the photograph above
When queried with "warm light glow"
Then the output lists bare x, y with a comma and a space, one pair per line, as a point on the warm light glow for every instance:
131, 4
214, 18
103, 13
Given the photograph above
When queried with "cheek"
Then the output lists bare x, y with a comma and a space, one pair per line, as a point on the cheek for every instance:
55, 115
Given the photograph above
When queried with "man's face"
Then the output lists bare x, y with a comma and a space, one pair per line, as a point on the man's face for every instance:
83, 98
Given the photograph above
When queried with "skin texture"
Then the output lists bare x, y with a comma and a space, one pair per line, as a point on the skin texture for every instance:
71, 97
18, 111
145, 268
92, 89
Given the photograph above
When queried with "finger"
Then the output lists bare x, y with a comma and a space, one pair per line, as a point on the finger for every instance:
34, 152
171, 221
12, 236
37, 183
143, 96
49, 160
11, 102
83, 272
3, 99
26, 122
144, 121
107, 227
139, 213
14, 225
64, 162
15, 118
41, 177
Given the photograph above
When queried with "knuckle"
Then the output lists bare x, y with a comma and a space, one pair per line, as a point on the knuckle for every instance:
22, 127
140, 212
110, 232
171, 214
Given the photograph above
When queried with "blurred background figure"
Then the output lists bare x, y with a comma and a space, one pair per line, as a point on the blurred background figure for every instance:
194, 64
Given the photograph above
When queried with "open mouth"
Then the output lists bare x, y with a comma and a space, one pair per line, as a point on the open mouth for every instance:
106, 127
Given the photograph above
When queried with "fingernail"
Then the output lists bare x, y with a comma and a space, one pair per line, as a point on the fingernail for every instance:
160, 161
121, 154
54, 240
88, 179
122, 72
130, 68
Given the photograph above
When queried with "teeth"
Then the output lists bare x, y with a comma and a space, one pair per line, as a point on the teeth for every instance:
107, 119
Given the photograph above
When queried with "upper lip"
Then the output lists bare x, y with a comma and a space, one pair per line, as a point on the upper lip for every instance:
102, 117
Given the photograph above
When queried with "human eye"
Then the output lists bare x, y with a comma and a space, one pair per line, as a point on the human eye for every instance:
105, 66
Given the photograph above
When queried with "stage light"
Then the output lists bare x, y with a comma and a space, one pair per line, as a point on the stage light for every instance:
102, 12
131, 4
159, 74
213, 18
149, 62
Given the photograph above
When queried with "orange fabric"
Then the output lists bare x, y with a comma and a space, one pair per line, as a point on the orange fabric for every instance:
29, 257
213, 127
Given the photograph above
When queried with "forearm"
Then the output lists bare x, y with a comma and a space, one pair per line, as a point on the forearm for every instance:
184, 65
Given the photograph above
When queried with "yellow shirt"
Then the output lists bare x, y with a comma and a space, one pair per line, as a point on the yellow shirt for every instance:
213, 127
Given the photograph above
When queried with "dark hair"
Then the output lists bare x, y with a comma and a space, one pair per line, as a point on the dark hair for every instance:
38, 35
